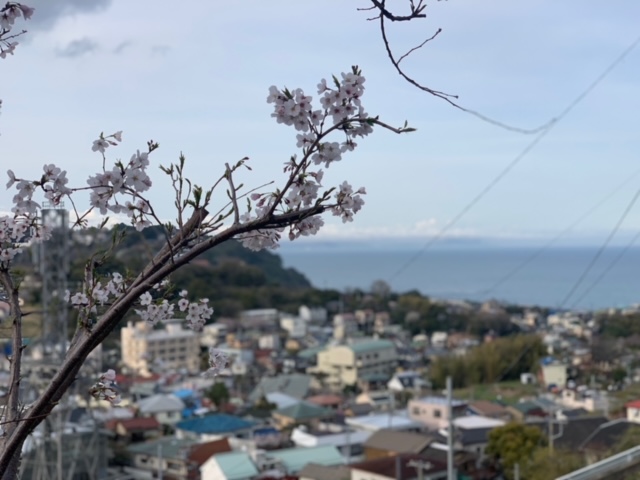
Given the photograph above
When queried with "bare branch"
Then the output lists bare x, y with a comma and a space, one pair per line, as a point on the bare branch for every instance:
447, 97
232, 195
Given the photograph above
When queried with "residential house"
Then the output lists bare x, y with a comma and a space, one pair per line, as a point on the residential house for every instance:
633, 411
165, 408
262, 319
133, 430
213, 427
281, 400
388, 420
405, 467
229, 466
173, 346
524, 411
389, 443
432, 411
331, 401
315, 315
241, 359
350, 443
295, 327
302, 413
471, 434
553, 373
313, 471
345, 365
292, 460
295, 385
379, 400
344, 326
590, 400
408, 381
489, 409
167, 454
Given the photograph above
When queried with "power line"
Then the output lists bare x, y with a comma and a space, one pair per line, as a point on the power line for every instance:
518, 158
549, 244
612, 264
602, 248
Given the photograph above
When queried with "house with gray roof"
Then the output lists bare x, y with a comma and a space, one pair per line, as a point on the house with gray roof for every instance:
165, 408
295, 385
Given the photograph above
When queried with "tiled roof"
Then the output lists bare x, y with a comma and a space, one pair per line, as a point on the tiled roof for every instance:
295, 385
214, 424
386, 467
171, 447
371, 345
304, 411
634, 404
202, 452
138, 423
236, 465
295, 459
485, 407
398, 442
161, 403
323, 472
326, 399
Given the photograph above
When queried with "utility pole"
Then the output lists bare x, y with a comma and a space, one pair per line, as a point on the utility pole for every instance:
516, 471
420, 466
450, 466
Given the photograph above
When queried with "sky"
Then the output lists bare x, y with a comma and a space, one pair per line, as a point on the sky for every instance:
194, 76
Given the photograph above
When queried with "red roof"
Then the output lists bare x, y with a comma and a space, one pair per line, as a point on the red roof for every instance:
326, 399
634, 404
202, 452
138, 423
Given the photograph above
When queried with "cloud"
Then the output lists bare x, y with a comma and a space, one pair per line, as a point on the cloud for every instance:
121, 47
77, 48
48, 12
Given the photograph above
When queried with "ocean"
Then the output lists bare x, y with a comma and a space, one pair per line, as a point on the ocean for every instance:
482, 273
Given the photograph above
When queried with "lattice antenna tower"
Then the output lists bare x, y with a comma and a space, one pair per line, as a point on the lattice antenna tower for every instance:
54, 270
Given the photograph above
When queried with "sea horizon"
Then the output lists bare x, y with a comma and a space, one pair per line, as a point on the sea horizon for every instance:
477, 271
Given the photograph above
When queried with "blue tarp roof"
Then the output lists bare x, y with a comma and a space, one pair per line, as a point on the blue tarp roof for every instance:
217, 423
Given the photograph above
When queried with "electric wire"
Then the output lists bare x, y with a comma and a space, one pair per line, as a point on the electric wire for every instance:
517, 159
602, 248
555, 239
604, 273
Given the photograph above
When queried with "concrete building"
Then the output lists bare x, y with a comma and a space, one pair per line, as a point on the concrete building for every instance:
432, 411
172, 347
343, 365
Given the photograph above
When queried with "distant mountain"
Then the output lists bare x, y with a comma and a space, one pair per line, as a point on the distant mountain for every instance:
228, 263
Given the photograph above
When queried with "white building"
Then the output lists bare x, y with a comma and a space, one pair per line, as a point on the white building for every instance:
295, 327
173, 347
313, 315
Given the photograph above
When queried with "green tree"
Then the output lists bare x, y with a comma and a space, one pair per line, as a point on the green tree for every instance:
218, 394
514, 443
545, 464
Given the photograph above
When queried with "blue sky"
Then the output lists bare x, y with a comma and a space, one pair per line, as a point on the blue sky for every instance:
195, 79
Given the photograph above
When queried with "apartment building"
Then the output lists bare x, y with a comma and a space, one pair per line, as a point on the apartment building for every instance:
171, 348
344, 365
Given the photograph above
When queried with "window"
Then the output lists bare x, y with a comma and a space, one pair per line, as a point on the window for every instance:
437, 413
415, 411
